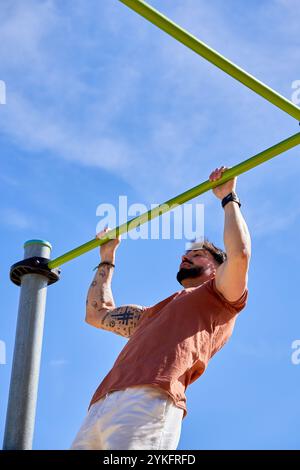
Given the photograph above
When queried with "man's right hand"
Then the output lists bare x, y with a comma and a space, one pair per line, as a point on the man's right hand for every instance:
108, 250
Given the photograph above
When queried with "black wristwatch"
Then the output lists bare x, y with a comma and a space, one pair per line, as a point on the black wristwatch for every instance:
231, 197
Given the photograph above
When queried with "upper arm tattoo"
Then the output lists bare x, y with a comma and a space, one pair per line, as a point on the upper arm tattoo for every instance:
123, 320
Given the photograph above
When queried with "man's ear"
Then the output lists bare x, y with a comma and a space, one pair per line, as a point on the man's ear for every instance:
217, 267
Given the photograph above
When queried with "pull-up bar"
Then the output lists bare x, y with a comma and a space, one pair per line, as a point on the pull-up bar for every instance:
180, 199
171, 28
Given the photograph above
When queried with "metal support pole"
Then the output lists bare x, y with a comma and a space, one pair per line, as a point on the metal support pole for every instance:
22, 400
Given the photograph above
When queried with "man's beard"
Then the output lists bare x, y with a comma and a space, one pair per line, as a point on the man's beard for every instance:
190, 273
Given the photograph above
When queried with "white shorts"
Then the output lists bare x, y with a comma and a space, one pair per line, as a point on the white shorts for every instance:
136, 418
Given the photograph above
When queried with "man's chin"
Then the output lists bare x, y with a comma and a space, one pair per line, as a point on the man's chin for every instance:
189, 273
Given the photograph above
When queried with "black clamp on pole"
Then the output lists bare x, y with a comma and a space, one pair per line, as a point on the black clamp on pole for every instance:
34, 265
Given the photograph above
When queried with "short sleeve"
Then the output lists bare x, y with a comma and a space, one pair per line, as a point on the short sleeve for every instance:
234, 307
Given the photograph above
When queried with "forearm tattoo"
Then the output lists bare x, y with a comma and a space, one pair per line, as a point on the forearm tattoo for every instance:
121, 320
100, 294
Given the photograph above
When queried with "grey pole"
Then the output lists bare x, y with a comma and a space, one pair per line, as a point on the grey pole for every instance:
22, 400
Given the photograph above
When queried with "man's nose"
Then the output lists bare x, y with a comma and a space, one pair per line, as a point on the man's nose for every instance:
185, 258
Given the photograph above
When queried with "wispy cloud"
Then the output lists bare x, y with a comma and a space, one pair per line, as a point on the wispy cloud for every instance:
14, 218
263, 350
9, 180
59, 362
267, 219
88, 107
44, 112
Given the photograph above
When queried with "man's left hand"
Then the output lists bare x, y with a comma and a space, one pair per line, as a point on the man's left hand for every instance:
224, 189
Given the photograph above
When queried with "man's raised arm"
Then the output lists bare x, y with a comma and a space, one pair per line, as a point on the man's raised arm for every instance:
232, 276
101, 311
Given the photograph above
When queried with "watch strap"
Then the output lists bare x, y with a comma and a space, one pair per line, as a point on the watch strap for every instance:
231, 197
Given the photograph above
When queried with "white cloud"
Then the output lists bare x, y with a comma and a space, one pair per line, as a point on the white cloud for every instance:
289, 14
9, 180
58, 362
38, 132
140, 105
14, 218
23, 27
268, 219
262, 350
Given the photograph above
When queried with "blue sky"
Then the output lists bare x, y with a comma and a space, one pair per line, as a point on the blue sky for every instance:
100, 104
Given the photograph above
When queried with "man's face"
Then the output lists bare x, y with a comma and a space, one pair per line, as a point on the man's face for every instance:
196, 263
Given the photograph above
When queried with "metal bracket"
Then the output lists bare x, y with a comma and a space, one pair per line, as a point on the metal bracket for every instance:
34, 265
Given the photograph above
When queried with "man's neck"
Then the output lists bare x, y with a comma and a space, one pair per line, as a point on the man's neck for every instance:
196, 281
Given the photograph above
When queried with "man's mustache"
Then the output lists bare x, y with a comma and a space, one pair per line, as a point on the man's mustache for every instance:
188, 262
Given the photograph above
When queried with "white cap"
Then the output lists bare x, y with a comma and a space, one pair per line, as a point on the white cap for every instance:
194, 245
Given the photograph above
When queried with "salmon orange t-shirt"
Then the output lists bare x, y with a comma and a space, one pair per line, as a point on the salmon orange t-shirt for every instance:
174, 341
